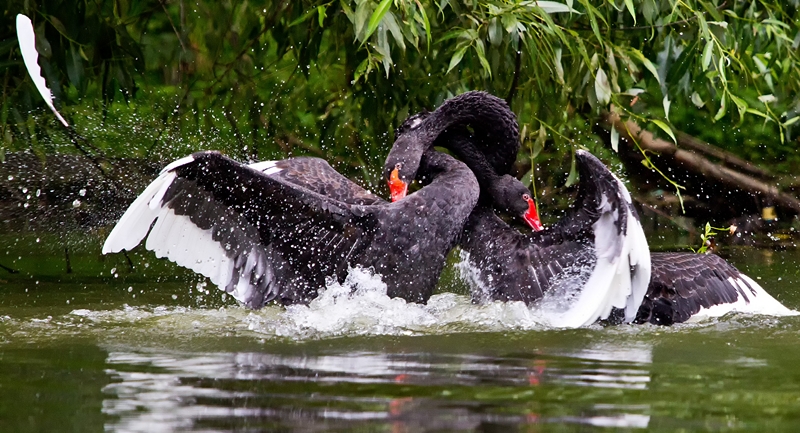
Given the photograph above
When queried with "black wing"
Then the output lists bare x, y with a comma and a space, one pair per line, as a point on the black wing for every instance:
505, 266
317, 175
683, 284
256, 237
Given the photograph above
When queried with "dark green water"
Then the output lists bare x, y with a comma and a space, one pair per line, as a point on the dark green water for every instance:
148, 350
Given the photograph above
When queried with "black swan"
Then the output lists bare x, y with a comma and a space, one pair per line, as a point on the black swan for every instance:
262, 238
263, 233
593, 260
682, 286
276, 230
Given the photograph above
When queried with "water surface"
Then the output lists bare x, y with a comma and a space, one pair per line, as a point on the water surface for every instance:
154, 349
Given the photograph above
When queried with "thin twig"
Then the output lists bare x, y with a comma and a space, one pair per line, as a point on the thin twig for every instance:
660, 26
174, 29
9, 270
513, 90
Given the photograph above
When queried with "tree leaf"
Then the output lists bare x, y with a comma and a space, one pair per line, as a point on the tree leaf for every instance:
538, 144
664, 127
527, 179
426, 21
766, 99
362, 12
321, 15
707, 52
572, 178
558, 66
758, 113
601, 87
554, 7
351, 16
723, 108
303, 18
678, 69
376, 17
697, 101
456, 59
480, 50
614, 139
741, 105
394, 29
629, 5
495, 32
647, 64
666, 102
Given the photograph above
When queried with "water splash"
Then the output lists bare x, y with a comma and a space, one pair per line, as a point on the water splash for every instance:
360, 306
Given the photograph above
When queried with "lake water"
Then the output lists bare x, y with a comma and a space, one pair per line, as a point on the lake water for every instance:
152, 349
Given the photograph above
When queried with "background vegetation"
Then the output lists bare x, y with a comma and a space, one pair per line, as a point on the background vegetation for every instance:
261, 79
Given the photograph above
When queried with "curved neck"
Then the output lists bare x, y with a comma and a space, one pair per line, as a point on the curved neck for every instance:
463, 147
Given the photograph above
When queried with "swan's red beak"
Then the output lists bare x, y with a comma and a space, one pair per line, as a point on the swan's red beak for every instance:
397, 187
532, 216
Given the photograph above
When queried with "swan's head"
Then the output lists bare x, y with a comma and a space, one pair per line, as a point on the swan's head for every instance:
511, 196
404, 158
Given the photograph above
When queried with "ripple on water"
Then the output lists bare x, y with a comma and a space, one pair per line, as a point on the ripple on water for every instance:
357, 307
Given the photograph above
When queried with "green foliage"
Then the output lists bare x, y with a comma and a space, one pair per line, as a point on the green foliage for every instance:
707, 238
262, 79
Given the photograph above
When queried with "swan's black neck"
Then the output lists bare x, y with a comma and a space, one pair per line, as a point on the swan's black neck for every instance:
480, 114
462, 145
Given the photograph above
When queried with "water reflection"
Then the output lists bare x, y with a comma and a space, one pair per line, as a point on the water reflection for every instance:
403, 391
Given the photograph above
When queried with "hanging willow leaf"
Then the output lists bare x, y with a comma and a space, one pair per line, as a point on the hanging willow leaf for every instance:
427, 23
573, 173
647, 64
664, 127
629, 5
481, 52
707, 51
614, 139
456, 59
554, 7
376, 17
723, 108
697, 101
602, 88
741, 105
538, 144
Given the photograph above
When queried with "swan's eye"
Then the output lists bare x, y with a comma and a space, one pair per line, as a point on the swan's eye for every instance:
398, 165
526, 197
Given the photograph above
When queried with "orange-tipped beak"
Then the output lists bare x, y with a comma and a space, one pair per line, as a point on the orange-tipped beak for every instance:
532, 216
397, 187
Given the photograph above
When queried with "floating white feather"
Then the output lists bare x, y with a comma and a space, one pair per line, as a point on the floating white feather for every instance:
27, 45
